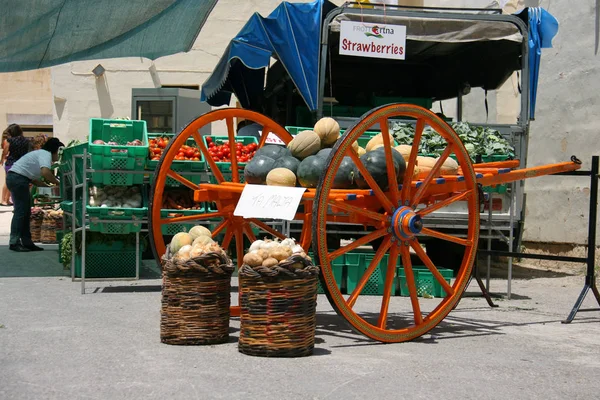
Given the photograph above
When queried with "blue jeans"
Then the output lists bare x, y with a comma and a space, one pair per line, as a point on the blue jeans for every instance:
19, 227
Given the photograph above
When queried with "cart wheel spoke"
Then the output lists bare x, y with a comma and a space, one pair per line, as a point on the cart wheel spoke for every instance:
263, 136
370, 269
195, 217
248, 232
412, 287
389, 161
430, 266
341, 204
222, 225
412, 161
235, 173
181, 179
266, 228
434, 171
357, 243
213, 166
371, 182
387, 287
227, 239
444, 236
239, 245
444, 203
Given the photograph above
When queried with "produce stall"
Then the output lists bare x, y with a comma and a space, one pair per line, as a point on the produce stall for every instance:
397, 178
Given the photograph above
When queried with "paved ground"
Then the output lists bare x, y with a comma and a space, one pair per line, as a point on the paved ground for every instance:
58, 344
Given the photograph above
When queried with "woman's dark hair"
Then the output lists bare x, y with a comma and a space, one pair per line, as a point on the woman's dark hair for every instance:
14, 130
52, 145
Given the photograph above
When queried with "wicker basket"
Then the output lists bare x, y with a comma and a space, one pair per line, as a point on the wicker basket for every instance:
278, 309
196, 300
48, 230
35, 226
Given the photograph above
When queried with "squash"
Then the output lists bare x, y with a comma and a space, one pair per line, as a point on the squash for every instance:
202, 240
256, 171
288, 162
273, 151
425, 166
449, 167
375, 162
281, 177
355, 147
375, 140
198, 231
179, 240
328, 130
306, 143
344, 177
310, 171
404, 150
361, 151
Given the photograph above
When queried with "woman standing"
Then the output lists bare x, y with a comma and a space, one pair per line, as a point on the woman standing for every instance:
13, 148
30, 168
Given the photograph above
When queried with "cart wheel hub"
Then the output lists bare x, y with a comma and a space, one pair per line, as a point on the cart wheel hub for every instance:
406, 223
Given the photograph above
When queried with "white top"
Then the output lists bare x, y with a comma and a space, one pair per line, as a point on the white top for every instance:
31, 164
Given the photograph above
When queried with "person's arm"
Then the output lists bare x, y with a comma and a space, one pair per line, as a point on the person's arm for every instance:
39, 183
5, 145
49, 176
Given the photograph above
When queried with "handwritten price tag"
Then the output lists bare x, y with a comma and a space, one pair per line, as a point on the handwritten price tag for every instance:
261, 201
273, 139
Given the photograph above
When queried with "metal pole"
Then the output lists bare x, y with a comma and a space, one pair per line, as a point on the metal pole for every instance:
83, 221
137, 255
73, 216
510, 239
489, 243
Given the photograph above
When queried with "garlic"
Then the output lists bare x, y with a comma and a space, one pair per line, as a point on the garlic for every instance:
288, 242
256, 245
297, 249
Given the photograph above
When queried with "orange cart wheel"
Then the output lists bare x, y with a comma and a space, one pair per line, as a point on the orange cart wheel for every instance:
398, 216
222, 218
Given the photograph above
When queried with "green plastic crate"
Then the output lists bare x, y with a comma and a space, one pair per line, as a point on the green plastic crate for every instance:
181, 166
425, 281
112, 260
338, 272
121, 156
67, 205
172, 229
358, 264
68, 164
114, 213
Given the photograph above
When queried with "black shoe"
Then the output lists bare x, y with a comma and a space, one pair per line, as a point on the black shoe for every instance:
18, 248
33, 247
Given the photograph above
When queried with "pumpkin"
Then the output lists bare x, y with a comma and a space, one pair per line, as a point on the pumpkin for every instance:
344, 177
404, 150
281, 177
306, 143
449, 167
375, 163
179, 240
355, 147
425, 166
310, 170
288, 162
375, 140
198, 231
361, 151
273, 151
256, 171
328, 130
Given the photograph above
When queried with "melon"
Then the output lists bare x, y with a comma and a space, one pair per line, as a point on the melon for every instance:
199, 230
310, 170
179, 240
404, 150
375, 163
281, 177
288, 162
202, 240
257, 169
344, 177
273, 151
306, 143
425, 166
328, 130
449, 167
361, 151
375, 140
324, 153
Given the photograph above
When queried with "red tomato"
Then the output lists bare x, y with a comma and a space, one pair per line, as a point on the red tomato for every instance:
211, 145
220, 154
208, 139
189, 152
243, 159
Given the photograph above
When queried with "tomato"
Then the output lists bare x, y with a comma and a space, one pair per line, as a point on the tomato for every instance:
239, 145
179, 158
155, 158
157, 151
195, 159
162, 143
243, 159
208, 139
220, 154
189, 152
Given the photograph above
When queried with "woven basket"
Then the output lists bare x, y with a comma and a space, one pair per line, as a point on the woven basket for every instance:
35, 226
196, 300
278, 309
48, 230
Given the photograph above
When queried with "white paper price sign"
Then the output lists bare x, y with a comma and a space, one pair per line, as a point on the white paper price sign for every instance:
372, 40
272, 139
261, 201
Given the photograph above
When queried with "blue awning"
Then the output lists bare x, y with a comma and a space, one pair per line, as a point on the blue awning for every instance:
42, 33
290, 34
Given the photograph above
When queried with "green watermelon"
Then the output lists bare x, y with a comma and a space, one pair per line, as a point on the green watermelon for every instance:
288, 162
324, 153
257, 169
344, 177
273, 151
310, 170
374, 162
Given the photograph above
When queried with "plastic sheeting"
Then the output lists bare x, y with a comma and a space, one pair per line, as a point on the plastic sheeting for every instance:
289, 34
41, 33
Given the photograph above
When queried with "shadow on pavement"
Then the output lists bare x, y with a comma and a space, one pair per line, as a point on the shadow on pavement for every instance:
32, 264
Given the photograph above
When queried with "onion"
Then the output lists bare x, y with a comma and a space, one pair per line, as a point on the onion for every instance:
297, 249
257, 244
288, 242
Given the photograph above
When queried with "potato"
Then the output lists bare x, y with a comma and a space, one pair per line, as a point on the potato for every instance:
270, 262
253, 259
